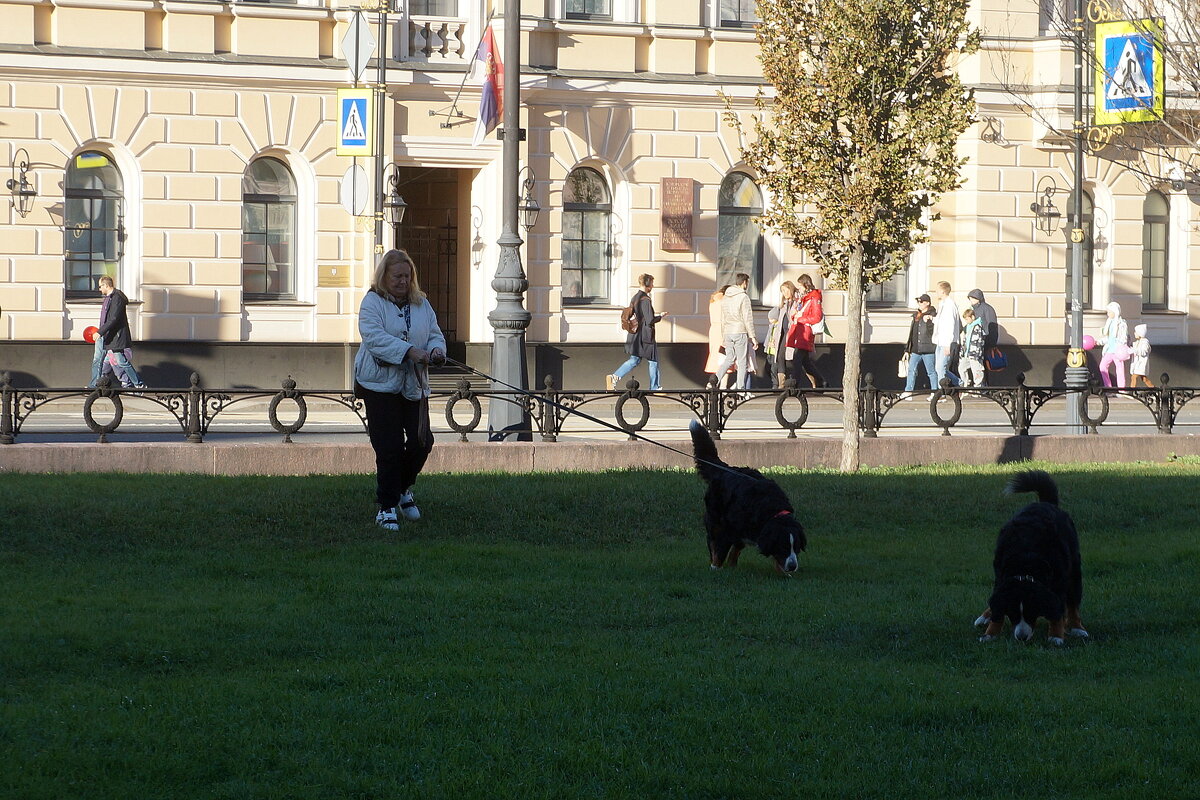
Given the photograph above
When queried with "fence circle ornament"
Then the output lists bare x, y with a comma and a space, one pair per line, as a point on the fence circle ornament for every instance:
632, 394
464, 393
783, 421
301, 415
945, 392
1084, 415
118, 412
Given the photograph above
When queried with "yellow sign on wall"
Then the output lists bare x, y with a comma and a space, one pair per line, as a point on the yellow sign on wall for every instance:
356, 122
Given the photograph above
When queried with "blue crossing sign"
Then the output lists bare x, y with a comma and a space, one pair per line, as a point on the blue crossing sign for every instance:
356, 122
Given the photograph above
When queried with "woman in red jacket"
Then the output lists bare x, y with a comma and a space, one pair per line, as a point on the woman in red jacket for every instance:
807, 314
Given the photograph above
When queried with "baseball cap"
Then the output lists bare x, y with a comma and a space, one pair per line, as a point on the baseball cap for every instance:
923, 298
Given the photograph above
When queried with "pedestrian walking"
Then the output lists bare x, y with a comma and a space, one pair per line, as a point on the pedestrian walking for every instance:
114, 331
400, 339
642, 343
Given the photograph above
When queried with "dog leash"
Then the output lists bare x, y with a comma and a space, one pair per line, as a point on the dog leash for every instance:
590, 418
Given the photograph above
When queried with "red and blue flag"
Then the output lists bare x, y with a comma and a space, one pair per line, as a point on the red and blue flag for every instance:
491, 99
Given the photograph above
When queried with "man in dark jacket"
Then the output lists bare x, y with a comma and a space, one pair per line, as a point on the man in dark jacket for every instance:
920, 347
114, 329
987, 318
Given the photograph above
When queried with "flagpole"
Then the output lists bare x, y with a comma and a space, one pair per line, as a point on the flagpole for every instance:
509, 420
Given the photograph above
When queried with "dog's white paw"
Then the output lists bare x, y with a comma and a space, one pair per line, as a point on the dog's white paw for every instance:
982, 620
988, 638
1057, 642
1078, 632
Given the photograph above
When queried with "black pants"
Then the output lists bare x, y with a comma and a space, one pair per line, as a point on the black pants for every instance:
803, 364
393, 424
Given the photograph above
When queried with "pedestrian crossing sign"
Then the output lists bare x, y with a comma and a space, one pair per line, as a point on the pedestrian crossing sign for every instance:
1129, 71
356, 122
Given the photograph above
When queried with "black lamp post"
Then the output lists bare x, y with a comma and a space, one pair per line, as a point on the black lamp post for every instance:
19, 186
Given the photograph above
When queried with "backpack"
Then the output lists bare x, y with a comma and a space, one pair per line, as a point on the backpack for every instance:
995, 360
629, 320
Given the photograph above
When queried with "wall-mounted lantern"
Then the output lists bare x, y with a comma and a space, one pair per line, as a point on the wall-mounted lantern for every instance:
23, 192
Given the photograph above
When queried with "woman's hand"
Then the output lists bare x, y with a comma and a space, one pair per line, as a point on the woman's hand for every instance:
437, 357
417, 355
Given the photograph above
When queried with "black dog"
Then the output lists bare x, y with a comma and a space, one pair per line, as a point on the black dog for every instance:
742, 507
1037, 566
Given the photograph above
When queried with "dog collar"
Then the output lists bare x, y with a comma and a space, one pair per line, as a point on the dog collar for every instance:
1024, 578
782, 513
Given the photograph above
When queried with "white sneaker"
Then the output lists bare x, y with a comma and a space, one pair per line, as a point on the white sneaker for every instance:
408, 507
386, 519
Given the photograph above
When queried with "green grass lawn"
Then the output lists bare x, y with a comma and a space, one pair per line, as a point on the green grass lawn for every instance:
562, 636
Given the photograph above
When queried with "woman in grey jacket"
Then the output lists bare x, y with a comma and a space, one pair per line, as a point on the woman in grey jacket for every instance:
400, 338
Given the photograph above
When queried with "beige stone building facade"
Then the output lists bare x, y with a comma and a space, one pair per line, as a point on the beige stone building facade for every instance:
188, 148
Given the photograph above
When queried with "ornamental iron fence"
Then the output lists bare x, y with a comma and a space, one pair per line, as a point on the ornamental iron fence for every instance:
195, 409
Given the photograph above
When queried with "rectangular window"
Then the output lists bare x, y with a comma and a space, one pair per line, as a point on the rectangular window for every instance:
266, 250
1154, 266
738, 14
93, 242
588, 9
433, 8
892, 293
585, 257
739, 249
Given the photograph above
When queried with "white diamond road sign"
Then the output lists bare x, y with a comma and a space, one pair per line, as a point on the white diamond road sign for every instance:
358, 45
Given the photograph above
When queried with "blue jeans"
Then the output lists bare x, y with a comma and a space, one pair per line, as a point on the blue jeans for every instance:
125, 371
917, 360
655, 378
97, 362
942, 367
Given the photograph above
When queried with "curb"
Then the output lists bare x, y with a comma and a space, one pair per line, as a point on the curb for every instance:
525, 458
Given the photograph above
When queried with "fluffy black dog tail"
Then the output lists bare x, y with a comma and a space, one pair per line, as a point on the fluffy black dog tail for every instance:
705, 451
1034, 480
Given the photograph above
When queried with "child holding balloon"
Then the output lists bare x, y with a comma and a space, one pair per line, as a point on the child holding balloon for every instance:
1114, 337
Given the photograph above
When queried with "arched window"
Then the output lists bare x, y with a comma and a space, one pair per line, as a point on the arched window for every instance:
1088, 246
94, 226
586, 246
1156, 243
268, 231
739, 240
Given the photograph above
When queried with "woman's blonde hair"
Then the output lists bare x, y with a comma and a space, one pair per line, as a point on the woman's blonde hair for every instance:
390, 259
788, 285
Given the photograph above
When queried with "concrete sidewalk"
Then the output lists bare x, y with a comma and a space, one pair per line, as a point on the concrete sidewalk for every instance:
275, 458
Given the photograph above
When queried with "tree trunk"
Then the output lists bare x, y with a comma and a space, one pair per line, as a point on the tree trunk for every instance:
851, 375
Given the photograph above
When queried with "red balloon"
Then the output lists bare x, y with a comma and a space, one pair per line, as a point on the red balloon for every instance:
89, 334
1088, 342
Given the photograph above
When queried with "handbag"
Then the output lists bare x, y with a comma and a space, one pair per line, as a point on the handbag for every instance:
995, 360
1123, 352
902, 367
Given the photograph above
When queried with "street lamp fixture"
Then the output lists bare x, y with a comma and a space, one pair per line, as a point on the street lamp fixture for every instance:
393, 204
1048, 215
529, 208
19, 186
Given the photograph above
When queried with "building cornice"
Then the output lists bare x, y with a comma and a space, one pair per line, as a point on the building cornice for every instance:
108, 5
268, 11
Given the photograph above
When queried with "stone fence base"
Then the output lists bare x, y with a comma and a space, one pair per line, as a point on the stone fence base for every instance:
520, 458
